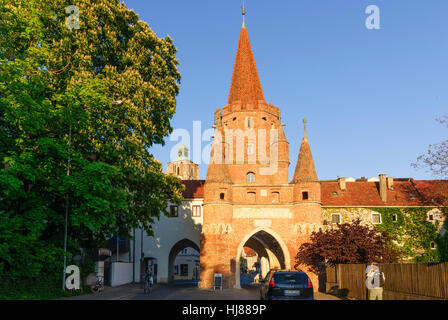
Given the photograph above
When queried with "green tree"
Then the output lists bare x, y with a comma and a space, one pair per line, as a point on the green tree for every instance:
93, 101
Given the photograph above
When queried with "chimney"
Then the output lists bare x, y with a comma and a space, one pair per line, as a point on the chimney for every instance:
341, 182
390, 183
383, 190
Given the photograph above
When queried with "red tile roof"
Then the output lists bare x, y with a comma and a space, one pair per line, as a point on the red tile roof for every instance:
193, 189
406, 192
305, 170
245, 86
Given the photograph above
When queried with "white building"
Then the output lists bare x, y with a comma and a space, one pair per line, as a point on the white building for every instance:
177, 234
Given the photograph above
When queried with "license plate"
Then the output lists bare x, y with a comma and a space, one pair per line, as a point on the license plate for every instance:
292, 292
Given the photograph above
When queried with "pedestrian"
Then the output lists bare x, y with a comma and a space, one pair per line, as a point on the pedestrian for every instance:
149, 281
374, 282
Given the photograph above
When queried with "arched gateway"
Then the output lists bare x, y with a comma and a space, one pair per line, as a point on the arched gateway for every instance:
262, 241
248, 199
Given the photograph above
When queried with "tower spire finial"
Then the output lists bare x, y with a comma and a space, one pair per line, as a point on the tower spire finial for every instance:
244, 14
304, 127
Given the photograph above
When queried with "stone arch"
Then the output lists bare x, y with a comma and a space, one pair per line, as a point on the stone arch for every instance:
182, 244
273, 234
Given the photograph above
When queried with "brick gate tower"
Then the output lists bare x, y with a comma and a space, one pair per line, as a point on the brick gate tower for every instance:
248, 199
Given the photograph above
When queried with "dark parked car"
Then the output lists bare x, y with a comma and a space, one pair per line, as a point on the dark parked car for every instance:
286, 285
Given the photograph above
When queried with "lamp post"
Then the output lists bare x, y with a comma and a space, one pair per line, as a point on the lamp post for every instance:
66, 209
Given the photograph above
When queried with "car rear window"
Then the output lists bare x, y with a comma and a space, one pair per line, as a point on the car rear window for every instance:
290, 278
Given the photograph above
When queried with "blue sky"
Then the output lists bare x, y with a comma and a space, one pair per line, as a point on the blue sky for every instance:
370, 97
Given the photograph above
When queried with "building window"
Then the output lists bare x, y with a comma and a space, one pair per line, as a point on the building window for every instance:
221, 196
184, 270
430, 217
250, 177
174, 211
335, 193
433, 245
305, 195
250, 149
177, 170
394, 218
376, 218
249, 122
275, 197
335, 218
176, 270
196, 211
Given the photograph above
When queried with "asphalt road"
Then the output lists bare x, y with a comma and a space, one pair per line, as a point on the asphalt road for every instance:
185, 292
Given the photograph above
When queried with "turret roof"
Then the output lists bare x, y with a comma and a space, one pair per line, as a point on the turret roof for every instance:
245, 87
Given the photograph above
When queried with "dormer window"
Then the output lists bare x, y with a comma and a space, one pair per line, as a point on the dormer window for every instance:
250, 177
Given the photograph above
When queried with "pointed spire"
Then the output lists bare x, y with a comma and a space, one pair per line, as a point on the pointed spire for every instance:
305, 170
246, 86
244, 14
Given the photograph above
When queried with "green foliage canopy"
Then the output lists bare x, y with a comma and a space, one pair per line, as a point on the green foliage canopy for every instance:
112, 83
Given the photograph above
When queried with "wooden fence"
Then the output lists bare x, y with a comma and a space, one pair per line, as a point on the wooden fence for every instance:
404, 281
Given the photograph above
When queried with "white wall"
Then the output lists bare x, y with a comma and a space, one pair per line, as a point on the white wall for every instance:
121, 273
167, 232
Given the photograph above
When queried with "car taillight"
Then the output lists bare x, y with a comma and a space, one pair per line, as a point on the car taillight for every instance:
272, 283
310, 284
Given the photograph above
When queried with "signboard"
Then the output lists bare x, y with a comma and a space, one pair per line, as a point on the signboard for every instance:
218, 281
99, 268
